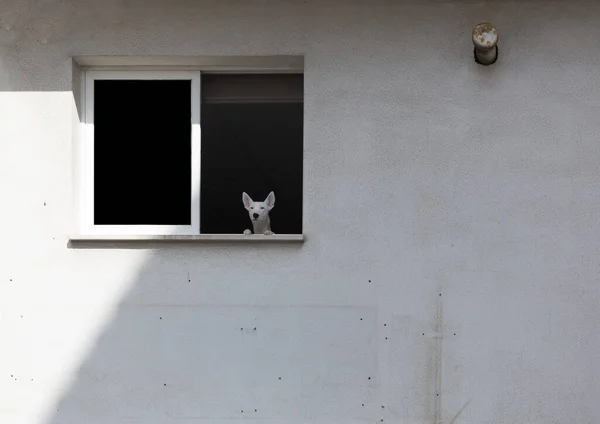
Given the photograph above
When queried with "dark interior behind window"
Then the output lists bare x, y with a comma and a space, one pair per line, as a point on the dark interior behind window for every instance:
142, 152
252, 141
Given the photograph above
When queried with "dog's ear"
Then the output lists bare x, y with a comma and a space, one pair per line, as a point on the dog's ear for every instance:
270, 200
247, 200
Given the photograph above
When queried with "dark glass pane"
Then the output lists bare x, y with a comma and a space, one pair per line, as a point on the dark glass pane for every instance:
142, 152
257, 148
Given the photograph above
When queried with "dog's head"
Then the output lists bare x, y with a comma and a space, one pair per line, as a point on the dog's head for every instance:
258, 211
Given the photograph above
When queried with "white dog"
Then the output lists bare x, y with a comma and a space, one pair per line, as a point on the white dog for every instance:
259, 214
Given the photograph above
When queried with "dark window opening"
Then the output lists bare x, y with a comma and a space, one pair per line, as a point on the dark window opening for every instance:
142, 152
252, 141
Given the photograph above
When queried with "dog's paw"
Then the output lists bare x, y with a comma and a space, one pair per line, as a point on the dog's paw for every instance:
247, 232
268, 233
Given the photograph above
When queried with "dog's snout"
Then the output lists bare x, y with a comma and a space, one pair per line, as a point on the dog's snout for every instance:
255, 215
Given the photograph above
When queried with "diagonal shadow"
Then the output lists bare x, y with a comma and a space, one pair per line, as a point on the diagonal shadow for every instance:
219, 332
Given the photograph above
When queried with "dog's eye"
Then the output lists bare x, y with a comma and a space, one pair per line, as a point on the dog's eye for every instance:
262, 207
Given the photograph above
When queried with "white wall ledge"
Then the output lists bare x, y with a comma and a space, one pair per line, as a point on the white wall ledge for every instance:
189, 238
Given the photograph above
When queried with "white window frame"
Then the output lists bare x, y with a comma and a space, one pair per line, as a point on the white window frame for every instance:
87, 201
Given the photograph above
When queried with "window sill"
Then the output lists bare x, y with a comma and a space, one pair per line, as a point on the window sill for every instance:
256, 238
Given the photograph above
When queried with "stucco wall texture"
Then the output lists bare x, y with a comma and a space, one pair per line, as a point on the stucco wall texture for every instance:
450, 268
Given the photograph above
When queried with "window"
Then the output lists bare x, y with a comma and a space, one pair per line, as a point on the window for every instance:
171, 152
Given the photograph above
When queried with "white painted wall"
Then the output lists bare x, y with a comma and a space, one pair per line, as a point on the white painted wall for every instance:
425, 175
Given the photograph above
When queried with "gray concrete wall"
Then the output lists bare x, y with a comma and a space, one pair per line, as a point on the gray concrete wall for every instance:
450, 271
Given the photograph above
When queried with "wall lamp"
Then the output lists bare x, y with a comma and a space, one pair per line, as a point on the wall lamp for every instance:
485, 39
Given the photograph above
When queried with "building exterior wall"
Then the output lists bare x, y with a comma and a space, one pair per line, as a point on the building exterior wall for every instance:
450, 268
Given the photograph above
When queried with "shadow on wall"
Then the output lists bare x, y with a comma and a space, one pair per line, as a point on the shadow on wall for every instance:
38, 38
220, 331
213, 332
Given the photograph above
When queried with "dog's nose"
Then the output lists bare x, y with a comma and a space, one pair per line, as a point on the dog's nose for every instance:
255, 215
